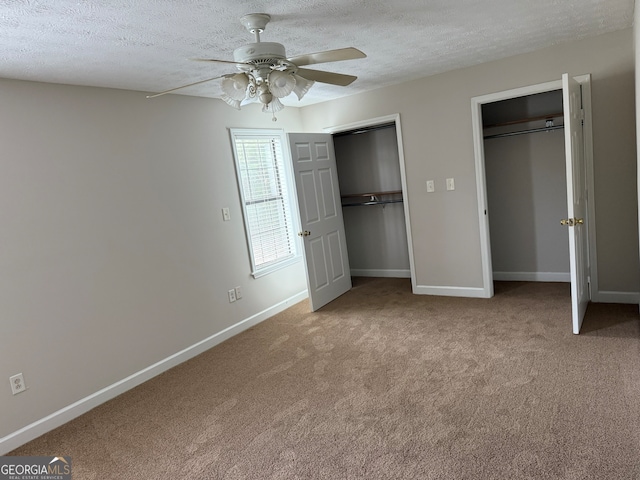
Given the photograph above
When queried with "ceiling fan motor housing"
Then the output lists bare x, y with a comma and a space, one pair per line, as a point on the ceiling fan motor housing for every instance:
259, 51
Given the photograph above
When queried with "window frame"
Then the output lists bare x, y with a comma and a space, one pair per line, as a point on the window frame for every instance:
290, 198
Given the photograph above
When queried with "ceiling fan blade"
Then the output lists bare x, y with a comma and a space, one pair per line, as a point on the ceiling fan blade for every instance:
185, 86
348, 53
217, 61
327, 77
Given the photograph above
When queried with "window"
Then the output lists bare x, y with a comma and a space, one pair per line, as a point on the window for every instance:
266, 189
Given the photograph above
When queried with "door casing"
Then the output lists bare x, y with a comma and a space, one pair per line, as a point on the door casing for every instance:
372, 122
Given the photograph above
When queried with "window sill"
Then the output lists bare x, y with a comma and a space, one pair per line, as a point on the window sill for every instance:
277, 266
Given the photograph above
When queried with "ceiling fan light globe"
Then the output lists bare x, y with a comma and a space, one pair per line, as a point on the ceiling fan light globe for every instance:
235, 87
281, 84
272, 107
302, 86
231, 101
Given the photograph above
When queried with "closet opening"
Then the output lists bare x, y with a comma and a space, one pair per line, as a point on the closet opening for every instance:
370, 167
526, 187
537, 187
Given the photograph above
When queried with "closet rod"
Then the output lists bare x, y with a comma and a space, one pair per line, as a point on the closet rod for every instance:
375, 202
522, 132
374, 194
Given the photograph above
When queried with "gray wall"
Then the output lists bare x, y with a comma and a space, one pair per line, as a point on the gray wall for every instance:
376, 235
438, 143
114, 252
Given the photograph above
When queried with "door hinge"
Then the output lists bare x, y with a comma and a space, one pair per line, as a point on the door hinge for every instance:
582, 117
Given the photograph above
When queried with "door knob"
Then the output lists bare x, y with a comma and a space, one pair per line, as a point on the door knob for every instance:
306, 233
572, 222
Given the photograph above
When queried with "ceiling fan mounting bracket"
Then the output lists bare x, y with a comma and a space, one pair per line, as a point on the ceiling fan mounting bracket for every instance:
255, 22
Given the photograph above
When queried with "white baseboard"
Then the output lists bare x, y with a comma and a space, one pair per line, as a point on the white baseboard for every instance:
632, 298
616, 297
470, 292
596, 297
66, 414
532, 276
361, 272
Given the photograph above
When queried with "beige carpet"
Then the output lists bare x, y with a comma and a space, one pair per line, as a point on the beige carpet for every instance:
382, 384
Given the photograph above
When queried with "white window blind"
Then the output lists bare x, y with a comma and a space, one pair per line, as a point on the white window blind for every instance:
265, 190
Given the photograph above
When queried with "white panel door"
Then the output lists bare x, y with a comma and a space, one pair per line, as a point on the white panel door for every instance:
576, 200
325, 246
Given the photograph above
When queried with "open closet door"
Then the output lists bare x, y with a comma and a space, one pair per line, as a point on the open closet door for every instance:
576, 200
325, 246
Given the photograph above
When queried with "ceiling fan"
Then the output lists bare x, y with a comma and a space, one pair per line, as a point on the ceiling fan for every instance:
266, 74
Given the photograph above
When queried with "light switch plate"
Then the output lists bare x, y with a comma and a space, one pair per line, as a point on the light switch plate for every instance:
431, 186
225, 214
451, 184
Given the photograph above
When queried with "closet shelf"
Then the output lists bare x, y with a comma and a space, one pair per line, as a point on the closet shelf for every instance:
374, 194
373, 198
548, 116
522, 132
549, 126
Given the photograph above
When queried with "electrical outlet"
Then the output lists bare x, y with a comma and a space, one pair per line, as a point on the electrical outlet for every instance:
232, 295
238, 293
17, 384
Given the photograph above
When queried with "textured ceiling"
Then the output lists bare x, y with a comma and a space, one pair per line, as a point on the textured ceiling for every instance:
145, 44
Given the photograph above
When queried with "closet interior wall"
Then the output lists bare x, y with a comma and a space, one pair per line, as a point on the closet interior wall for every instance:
526, 188
368, 163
